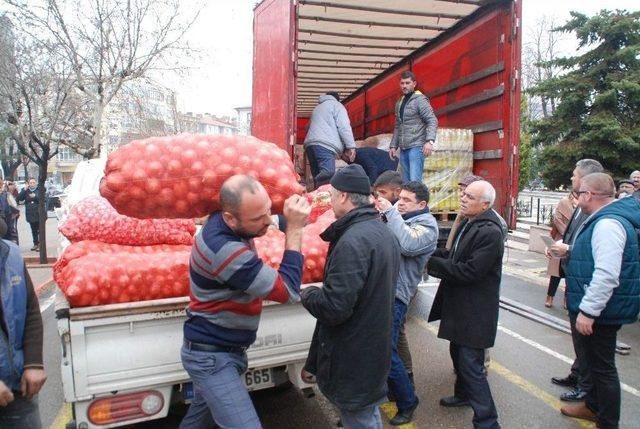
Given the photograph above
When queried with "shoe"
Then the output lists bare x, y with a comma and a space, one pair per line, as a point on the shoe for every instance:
405, 416
578, 412
548, 302
569, 381
575, 395
34, 248
453, 401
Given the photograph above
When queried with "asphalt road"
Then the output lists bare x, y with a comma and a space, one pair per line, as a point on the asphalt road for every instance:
526, 355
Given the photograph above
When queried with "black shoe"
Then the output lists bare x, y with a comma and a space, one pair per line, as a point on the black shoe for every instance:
454, 401
569, 381
404, 417
576, 395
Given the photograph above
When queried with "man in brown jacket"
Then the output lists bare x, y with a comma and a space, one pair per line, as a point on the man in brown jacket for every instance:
21, 365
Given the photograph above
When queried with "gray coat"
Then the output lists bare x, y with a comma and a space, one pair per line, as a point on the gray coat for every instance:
329, 126
417, 125
417, 234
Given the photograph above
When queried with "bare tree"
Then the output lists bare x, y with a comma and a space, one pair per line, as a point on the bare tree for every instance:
110, 43
41, 110
542, 49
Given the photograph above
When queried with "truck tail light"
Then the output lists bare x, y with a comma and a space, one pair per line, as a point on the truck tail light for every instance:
125, 407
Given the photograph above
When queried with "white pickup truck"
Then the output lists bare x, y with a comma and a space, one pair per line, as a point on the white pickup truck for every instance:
121, 363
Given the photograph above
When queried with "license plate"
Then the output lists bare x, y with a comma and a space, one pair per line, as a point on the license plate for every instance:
259, 379
254, 380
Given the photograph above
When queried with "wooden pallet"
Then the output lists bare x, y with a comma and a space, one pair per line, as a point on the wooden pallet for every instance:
445, 215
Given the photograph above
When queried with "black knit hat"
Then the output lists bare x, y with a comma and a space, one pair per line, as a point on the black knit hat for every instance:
352, 179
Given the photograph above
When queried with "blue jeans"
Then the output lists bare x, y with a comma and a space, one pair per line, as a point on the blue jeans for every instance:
471, 384
322, 162
412, 162
365, 418
219, 393
399, 381
21, 413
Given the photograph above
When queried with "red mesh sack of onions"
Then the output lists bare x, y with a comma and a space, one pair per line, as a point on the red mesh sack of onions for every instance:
320, 201
270, 248
180, 176
94, 218
93, 273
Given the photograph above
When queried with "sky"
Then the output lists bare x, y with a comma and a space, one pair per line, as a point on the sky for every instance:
221, 74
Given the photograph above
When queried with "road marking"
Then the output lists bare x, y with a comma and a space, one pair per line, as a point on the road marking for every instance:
566, 359
517, 380
390, 410
64, 416
49, 301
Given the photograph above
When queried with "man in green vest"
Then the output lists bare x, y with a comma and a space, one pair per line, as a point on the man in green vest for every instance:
603, 290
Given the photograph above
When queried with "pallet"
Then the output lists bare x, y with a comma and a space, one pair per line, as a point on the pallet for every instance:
445, 216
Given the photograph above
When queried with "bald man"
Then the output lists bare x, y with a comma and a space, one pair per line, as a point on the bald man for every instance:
228, 284
467, 300
603, 291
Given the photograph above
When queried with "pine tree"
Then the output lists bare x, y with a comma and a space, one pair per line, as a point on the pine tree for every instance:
598, 114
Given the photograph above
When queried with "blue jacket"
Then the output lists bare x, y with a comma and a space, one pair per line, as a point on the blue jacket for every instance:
624, 304
417, 234
13, 298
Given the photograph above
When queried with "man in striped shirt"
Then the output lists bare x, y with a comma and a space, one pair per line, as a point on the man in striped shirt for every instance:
228, 284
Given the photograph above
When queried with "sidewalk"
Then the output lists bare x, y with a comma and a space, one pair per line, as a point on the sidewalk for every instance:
530, 266
41, 276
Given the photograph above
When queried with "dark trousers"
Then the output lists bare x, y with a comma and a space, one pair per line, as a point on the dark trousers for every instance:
399, 382
600, 353
322, 162
472, 384
554, 282
580, 368
35, 231
20, 414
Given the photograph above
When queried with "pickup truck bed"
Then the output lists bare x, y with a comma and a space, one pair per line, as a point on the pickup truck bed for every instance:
122, 348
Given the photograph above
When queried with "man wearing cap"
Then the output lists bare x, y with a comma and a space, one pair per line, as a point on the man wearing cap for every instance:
625, 188
350, 352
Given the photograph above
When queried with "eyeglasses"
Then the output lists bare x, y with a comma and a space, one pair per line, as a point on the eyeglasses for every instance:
592, 193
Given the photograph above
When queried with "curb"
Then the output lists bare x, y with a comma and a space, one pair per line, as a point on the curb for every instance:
44, 286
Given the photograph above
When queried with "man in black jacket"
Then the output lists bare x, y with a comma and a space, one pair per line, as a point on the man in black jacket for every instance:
468, 298
350, 353
30, 197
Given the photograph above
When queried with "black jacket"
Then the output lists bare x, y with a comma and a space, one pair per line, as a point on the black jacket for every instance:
374, 162
351, 349
30, 199
469, 294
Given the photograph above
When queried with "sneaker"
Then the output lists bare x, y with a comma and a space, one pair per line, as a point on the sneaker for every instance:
576, 395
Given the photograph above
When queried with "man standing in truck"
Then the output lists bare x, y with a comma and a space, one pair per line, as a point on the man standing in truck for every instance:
329, 135
228, 284
415, 129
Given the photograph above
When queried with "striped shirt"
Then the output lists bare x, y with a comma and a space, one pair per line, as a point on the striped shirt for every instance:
228, 283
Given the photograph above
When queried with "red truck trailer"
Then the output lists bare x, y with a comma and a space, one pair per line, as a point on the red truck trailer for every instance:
465, 54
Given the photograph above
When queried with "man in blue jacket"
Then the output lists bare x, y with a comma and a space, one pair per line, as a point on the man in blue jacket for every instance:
21, 366
329, 136
417, 233
603, 291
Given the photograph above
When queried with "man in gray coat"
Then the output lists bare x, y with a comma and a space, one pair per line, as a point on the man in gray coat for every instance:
414, 133
417, 232
329, 136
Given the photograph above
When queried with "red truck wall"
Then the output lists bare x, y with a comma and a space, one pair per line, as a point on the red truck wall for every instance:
472, 79
273, 104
